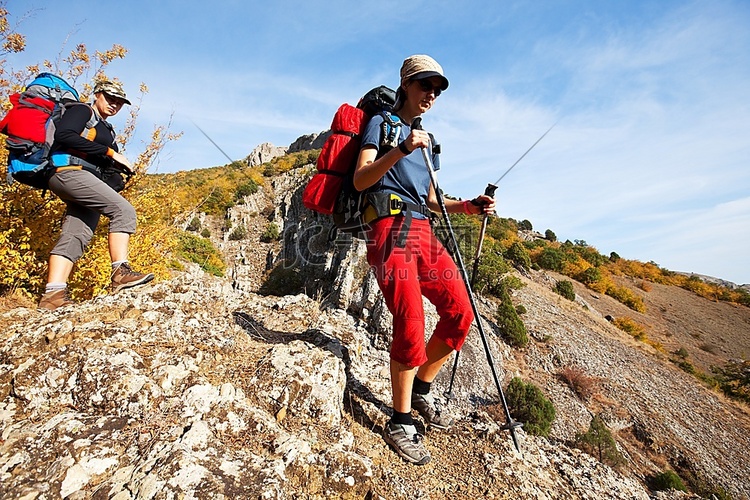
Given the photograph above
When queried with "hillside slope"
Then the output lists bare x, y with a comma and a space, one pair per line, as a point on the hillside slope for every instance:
199, 387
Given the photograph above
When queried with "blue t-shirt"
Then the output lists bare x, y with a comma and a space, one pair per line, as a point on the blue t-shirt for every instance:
408, 178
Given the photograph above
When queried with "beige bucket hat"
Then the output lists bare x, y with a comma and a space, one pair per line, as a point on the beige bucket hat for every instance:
421, 66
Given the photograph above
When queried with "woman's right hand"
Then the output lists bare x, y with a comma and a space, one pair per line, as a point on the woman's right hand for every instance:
417, 139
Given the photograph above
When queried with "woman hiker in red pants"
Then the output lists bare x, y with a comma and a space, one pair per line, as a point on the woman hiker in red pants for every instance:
407, 258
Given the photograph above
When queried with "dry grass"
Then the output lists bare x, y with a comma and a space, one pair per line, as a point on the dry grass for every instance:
583, 385
13, 300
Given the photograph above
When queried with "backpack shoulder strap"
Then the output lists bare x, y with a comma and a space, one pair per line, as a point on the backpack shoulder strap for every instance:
435, 145
390, 130
93, 120
91, 123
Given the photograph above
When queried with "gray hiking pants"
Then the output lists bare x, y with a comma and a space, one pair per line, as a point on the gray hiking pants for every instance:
87, 198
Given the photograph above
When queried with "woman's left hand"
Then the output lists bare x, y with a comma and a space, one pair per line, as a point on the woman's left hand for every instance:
483, 204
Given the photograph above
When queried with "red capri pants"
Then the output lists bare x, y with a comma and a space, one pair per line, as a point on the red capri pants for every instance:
422, 267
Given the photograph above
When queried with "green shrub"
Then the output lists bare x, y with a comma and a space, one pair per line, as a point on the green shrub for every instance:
667, 480
271, 233
513, 282
590, 276
202, 252
525, 225
238, 233
551, 259
194, 225
500, 228
218, 202
565, 288
517, 253
206, 233
590, 255
270, 170
549, 235
510, 324
528, 405
685, 366
734, 379
598, 442
492, 267
521, 309
246, 189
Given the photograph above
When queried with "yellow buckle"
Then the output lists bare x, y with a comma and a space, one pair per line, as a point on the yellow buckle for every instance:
370, 213
395, 205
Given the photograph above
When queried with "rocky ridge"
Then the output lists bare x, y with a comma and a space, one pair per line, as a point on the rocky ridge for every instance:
199, 387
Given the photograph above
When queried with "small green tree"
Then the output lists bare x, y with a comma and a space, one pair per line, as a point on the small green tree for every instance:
238, 233
525, 225
194, 225
667, 480
517, 253
598, 442
550, 236
734, 379
492, 267
565, 288
528, 404
509, 322
202, 252
551, 258
271, 233
246, 189
217, 202
590, 276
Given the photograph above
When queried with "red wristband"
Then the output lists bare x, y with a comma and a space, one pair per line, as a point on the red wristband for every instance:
467, 207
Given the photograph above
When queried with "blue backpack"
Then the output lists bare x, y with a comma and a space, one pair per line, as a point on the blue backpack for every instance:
30, 127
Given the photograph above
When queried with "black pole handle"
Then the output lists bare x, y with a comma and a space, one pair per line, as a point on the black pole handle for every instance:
490, 190
417, 123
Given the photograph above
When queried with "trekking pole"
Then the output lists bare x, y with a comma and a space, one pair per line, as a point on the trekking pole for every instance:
213, 142
489, 191
510, 424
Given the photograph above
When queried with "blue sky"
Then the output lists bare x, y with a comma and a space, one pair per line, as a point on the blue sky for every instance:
649, 157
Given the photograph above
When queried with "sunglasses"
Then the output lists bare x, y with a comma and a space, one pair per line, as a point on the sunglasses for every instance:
427, 86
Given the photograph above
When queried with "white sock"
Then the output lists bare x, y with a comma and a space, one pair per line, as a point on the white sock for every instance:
118, 263
55, 287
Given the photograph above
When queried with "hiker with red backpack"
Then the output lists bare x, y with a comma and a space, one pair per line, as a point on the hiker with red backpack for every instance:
408, 259
85, 172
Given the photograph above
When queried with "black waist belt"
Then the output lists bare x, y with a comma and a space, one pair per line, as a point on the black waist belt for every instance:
379, 205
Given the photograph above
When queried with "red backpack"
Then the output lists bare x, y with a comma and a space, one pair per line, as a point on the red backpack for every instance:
331, 191
30, 127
